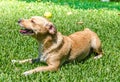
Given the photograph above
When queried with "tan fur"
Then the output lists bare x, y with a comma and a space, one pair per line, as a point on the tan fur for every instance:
55, 48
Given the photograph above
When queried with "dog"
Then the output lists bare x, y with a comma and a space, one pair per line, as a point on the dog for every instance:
55, 48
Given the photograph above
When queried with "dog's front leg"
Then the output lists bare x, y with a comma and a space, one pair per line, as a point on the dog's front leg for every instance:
53, 65
39, 69
26, 60
22, 61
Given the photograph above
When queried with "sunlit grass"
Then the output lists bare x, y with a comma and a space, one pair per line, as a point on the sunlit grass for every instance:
104, 21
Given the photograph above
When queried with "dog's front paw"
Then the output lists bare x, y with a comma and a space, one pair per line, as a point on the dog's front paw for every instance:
27, 73
14, 61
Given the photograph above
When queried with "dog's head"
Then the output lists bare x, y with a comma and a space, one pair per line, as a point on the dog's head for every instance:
36, 25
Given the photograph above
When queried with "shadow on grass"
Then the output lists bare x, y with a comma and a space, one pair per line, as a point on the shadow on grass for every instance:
81, 4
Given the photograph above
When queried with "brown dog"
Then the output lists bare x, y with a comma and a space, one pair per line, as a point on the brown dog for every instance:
55, 48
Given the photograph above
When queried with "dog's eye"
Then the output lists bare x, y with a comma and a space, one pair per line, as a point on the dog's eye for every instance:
32, 21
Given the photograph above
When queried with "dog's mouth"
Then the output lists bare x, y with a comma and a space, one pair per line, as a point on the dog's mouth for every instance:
26, 31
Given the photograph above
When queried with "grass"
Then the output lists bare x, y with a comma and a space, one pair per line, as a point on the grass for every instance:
104, 21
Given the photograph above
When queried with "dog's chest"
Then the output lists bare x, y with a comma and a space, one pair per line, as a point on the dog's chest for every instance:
43, 58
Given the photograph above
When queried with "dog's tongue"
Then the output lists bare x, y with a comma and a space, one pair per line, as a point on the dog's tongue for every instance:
23, 31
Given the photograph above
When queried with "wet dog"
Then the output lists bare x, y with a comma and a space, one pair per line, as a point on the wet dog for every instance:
55, 48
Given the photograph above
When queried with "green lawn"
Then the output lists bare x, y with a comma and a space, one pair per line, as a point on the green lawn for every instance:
100, 17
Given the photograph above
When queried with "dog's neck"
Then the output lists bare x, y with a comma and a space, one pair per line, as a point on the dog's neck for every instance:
49, 42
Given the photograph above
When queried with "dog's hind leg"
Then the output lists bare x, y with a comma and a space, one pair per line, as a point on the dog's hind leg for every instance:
99, 53
96, 45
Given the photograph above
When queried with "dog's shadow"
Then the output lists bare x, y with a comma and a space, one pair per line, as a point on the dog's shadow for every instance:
91, 54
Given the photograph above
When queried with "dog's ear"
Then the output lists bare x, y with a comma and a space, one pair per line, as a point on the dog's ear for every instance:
51, 28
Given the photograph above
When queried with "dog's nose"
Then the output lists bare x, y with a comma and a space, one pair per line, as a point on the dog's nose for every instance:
19, 20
